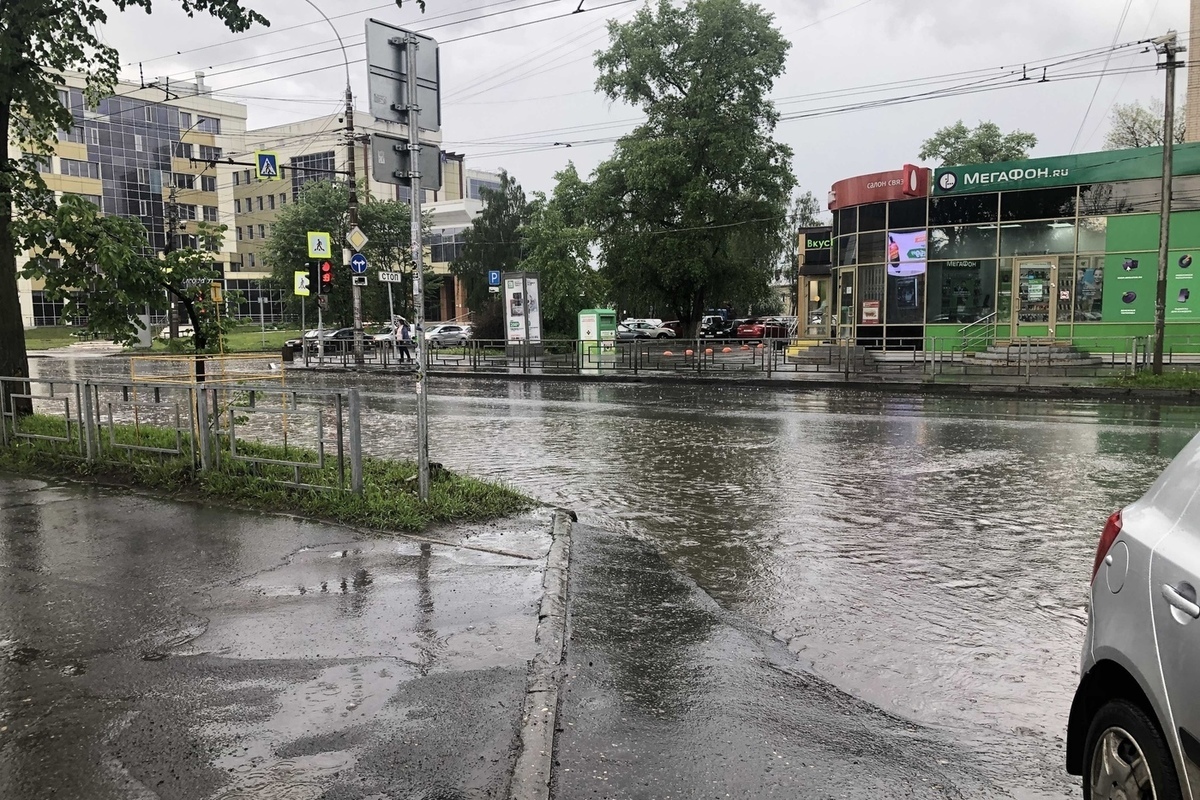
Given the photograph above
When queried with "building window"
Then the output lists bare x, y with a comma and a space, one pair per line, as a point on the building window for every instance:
208, 124
187, 212
446, 246
93, 136
283, 198
246, 177
185, 120
143, 176
64, 97
260, 203
46, 310
183, 149
1089, 288
312, 167
144, 208
270, 202
94, 199
239, 233
79, 169
185, 180
138, 143
73, 135
210, 213
149, 111
237, 179
476, 187
250, 232
209, 153
250, 256
237, 206
262, 231
208, 183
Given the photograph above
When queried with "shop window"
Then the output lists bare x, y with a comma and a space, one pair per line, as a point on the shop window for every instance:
960, 290
965, 209
871, 285
1185, 193
1093, 233
908, 214
872, 217
872, 247
847, 221
963, 241
1089, 288
1038, 204
1121, 197
1037, 238
906, 298
847, 250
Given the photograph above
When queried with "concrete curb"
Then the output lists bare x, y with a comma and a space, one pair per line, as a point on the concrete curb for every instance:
535, 755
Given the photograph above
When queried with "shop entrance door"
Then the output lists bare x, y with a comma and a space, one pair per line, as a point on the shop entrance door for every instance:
845, 320
1036, 306
818, 313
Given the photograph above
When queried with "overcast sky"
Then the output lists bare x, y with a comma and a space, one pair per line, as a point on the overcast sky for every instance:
523, 89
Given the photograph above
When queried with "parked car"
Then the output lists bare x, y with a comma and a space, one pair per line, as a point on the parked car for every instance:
717, 327
1134, 727
448, 334
645, 330
627, 334
655, 321
674, 326
342, 341
759, 329
309, 336
184, 332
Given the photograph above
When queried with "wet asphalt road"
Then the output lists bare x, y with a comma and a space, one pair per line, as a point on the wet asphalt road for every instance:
164, 650
920, 562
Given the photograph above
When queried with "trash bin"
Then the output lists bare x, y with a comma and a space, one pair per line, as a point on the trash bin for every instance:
288, 354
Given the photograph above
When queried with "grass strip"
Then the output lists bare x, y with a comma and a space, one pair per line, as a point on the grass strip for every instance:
389, 500
1144, 379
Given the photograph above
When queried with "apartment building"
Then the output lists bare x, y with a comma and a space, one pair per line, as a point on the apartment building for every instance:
150, 153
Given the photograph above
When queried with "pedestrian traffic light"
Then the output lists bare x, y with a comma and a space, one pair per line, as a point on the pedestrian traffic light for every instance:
326, 277
314, 277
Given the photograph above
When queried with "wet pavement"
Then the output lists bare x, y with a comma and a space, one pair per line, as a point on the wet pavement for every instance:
156, 649
918, 565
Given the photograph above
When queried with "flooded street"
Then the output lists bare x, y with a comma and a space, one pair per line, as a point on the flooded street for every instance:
928, 556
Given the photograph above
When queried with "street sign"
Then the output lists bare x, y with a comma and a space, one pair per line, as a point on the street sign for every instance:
493, 277
494, 289
358, 264
356, 238
300, 283
359, 280
387, 72
215, 292
391, 157
267, 165
323, 302
391, 277
318, 244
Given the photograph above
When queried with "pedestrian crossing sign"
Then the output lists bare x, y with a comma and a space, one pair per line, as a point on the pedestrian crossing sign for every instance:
318, 244
268, 165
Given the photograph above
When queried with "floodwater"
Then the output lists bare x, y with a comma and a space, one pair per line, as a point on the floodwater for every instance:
929, 556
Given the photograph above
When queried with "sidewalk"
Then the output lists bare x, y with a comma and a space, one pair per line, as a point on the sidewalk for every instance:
152, 648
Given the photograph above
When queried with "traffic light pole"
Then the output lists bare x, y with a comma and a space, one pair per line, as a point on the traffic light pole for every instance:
418, 258
355, 289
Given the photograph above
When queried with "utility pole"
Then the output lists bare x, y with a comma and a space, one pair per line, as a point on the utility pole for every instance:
418, 257
355, 289
1167, 46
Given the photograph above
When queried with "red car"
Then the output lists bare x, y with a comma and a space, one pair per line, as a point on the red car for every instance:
759, 329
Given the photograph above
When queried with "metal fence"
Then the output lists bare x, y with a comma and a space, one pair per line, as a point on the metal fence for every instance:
296, 437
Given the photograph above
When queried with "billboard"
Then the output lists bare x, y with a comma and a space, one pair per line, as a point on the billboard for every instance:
907, 253
522, 307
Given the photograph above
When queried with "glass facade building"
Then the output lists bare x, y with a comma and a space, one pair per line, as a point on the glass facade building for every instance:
1056, 248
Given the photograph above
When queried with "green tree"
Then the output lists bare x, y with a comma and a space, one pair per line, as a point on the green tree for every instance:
494, 240
322, 206
985, 144
39, 41
558, 246
691, 207
1137, 125
805, 212
102, 269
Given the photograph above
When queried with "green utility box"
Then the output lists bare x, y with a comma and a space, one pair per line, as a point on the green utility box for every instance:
597, 336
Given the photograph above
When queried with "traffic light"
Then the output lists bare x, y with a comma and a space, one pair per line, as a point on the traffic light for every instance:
326, 277
314, 278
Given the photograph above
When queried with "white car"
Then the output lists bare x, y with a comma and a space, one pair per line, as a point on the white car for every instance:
645, 329
185, 332
1134, 729
448, 334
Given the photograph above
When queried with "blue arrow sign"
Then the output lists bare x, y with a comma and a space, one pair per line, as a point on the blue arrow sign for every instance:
358, 264
493, 277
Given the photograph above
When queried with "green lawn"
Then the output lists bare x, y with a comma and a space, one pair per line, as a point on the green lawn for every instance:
248, 340
1174, 379
46, 338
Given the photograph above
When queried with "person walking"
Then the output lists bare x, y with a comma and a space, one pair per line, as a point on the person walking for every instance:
405, 342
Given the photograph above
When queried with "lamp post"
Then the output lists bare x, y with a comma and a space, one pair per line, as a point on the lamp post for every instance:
1167, 46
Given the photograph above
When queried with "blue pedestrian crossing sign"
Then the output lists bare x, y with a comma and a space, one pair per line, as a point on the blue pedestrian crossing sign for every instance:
358, 264
493, 277
267, 165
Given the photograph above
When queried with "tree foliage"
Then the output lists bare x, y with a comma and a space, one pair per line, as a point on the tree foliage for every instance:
805, 212
558, 246
985, 144
1137, 125
690, 209
323, 206
494, 241
39, 41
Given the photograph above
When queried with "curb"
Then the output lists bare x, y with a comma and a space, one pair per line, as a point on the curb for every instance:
532, 774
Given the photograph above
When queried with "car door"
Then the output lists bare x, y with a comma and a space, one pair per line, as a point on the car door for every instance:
1174, 586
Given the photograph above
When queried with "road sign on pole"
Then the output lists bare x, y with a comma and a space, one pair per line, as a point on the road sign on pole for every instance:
318, 244
493, 277
356, 238
267, 165
392, 159
391, 277
387, 73
358, 264
300, 283
358, 280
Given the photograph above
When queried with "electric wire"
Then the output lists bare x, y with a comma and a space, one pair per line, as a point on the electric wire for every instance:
1096, 90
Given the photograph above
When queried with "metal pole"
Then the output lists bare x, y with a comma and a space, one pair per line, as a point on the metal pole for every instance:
1168, 46
356, 464
320, 334
262, 319
418, 258
355, 289
392, 322
302, 324
525, 314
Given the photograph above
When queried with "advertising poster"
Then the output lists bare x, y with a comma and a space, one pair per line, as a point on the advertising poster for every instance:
1182, 286
533, 309
514, 309
1130, 281
906, 253
870, 312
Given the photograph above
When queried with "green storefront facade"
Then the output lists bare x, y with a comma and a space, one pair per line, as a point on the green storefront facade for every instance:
1053, 248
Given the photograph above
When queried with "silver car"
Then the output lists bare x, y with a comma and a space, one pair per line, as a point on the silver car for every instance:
1134, 729
448, 334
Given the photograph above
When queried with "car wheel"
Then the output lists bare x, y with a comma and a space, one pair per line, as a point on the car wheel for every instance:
661, 336
1125, 757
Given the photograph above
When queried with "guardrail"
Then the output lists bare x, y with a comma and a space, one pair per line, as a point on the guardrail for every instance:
296, 437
